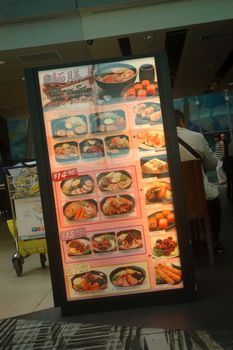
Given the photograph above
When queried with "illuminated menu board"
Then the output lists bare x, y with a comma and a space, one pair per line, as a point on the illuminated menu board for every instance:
110, 174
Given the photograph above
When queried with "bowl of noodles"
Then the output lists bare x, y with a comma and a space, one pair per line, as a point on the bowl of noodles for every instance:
115, 76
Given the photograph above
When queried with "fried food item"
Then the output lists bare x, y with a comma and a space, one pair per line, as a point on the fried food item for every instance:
163, 275
172, 275
165, 247
173, 270
152, 139
155, 166
168, 274
161, 220
117, 205
158, 191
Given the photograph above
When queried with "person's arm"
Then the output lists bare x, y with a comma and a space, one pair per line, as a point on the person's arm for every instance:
222, 146
209, 158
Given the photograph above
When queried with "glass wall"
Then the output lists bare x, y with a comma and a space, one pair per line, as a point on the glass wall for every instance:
17, 131
208, 114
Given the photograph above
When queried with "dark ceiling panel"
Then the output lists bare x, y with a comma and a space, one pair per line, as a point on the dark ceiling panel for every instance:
224, 68
125, 46
174, 46
147, 42
206, 48
227, 82
39, 57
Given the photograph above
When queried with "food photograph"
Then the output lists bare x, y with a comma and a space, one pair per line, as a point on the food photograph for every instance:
158, 192
129, 239
78, 247
154, 166
91, 281
150, 140
147, 113
78, 186
92, 148
123, 81
114, 181
66, 151
117, 145
69, 126
161, 220
117, 205
113, 78
107, 121
164, 246
140, 90
104, 242
168, 274
80, 210
128, 276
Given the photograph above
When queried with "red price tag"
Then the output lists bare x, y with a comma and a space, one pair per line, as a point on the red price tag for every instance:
65, 174
73, 234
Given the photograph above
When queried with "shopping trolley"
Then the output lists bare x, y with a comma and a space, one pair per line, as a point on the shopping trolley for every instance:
26, 225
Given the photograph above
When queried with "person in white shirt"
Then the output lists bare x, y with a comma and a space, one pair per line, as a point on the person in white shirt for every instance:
209, 161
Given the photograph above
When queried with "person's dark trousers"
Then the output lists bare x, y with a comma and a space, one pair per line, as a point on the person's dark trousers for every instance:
214, 210
228, 168
229, 186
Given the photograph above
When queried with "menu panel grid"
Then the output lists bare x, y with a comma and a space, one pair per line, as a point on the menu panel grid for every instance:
113, 194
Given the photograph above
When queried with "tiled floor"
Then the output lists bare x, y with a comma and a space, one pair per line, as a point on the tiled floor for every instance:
30, 292
212, 309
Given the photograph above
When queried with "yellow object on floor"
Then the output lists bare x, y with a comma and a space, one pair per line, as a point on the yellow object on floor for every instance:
28, 247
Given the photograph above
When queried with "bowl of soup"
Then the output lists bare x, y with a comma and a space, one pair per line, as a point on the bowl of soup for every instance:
115, 76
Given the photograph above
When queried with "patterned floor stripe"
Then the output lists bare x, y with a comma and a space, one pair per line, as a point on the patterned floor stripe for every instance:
17, 334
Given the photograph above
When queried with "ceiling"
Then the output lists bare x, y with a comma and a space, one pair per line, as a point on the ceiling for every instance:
200, 60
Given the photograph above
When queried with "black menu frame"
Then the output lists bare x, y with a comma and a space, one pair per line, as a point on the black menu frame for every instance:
55, 260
